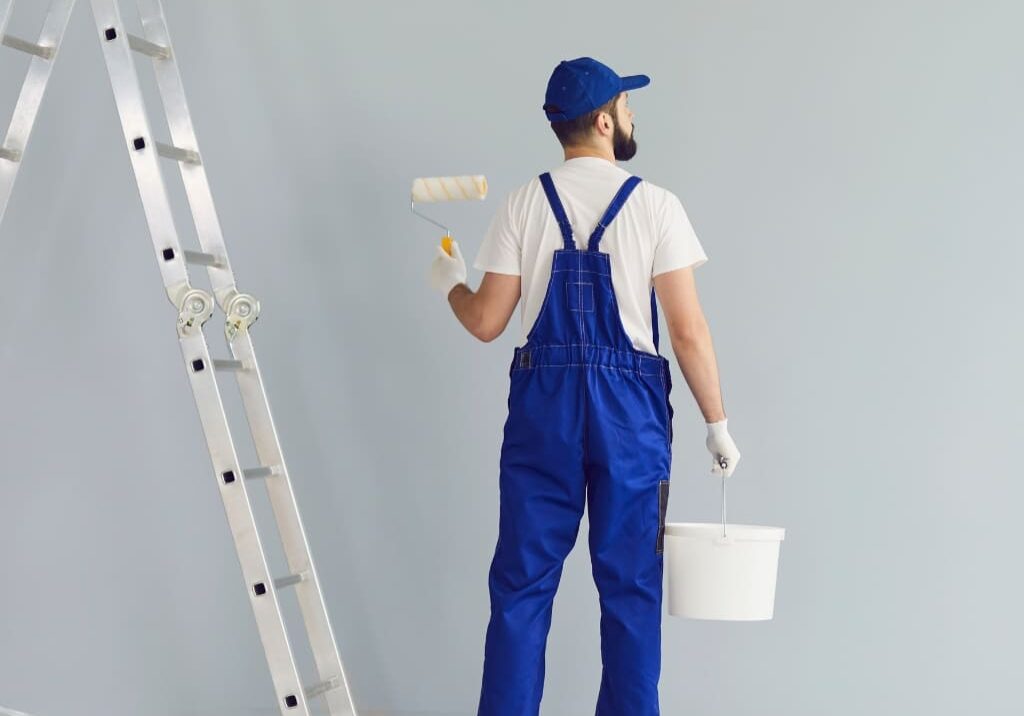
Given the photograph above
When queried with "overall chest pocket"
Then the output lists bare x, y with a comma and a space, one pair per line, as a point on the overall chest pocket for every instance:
579, 296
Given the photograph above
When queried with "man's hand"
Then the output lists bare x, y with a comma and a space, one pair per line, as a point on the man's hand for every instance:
723, 450
447, 272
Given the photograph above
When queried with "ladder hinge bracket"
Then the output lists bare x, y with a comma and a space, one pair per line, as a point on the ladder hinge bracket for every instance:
241, 310
194, 310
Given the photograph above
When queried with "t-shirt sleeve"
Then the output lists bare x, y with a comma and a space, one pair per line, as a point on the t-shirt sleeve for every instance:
502, 248
677, 245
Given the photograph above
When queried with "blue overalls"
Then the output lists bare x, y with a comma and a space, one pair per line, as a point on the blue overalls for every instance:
589, 422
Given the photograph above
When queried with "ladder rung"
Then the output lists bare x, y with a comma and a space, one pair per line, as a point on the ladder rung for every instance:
291, 579
323, 687
198, 257
148, 48
13, 155
224, 364
182, 155
30, 47
261, 471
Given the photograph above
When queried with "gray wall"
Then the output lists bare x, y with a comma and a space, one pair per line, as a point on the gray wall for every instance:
853, 171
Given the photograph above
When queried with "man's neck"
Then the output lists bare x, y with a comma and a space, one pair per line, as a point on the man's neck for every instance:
574, 152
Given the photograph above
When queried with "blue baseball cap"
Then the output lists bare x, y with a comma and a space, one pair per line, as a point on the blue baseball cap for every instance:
582, 85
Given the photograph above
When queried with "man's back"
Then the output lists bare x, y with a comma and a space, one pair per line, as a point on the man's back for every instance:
651, 235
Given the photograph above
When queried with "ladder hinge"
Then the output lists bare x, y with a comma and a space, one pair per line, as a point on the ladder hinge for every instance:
195, 309
241, 310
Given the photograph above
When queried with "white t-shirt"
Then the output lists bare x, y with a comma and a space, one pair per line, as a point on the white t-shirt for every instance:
651, 235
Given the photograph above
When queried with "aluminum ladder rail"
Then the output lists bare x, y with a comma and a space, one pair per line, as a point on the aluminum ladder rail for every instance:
195, 306
44, 54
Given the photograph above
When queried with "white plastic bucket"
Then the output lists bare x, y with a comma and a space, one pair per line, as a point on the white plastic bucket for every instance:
714, 577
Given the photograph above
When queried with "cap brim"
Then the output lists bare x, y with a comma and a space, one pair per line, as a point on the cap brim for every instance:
635, 82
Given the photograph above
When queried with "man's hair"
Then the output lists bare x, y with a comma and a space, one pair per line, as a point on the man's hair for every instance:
577, 131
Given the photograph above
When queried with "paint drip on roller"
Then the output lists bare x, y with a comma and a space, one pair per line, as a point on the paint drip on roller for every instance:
457, 188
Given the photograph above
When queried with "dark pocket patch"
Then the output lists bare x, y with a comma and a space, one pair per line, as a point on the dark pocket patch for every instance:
662, 511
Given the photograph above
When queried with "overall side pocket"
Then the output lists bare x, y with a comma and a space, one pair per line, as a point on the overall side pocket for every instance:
662, 511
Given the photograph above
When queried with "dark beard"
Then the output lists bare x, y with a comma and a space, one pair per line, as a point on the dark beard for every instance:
623, 146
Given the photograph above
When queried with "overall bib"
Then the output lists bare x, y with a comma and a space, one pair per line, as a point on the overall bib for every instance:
589, 423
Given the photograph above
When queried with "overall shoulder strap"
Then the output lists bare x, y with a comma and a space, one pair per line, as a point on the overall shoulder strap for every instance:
556, 207
612, 211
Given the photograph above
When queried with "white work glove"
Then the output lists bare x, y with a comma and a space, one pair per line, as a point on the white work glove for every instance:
722, 448
447, 272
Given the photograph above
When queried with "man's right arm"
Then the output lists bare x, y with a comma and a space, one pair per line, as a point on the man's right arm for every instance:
691, 339
486, 311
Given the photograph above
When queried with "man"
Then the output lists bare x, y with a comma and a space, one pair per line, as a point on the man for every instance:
589, 420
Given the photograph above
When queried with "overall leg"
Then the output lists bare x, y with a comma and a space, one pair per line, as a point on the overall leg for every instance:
628, 466
542, 496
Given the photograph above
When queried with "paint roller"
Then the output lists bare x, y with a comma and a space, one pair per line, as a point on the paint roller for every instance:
435, 189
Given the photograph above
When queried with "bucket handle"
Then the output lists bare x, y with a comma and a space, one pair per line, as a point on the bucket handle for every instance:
723, 462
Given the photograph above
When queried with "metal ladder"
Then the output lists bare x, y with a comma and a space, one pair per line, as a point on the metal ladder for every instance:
194, 307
